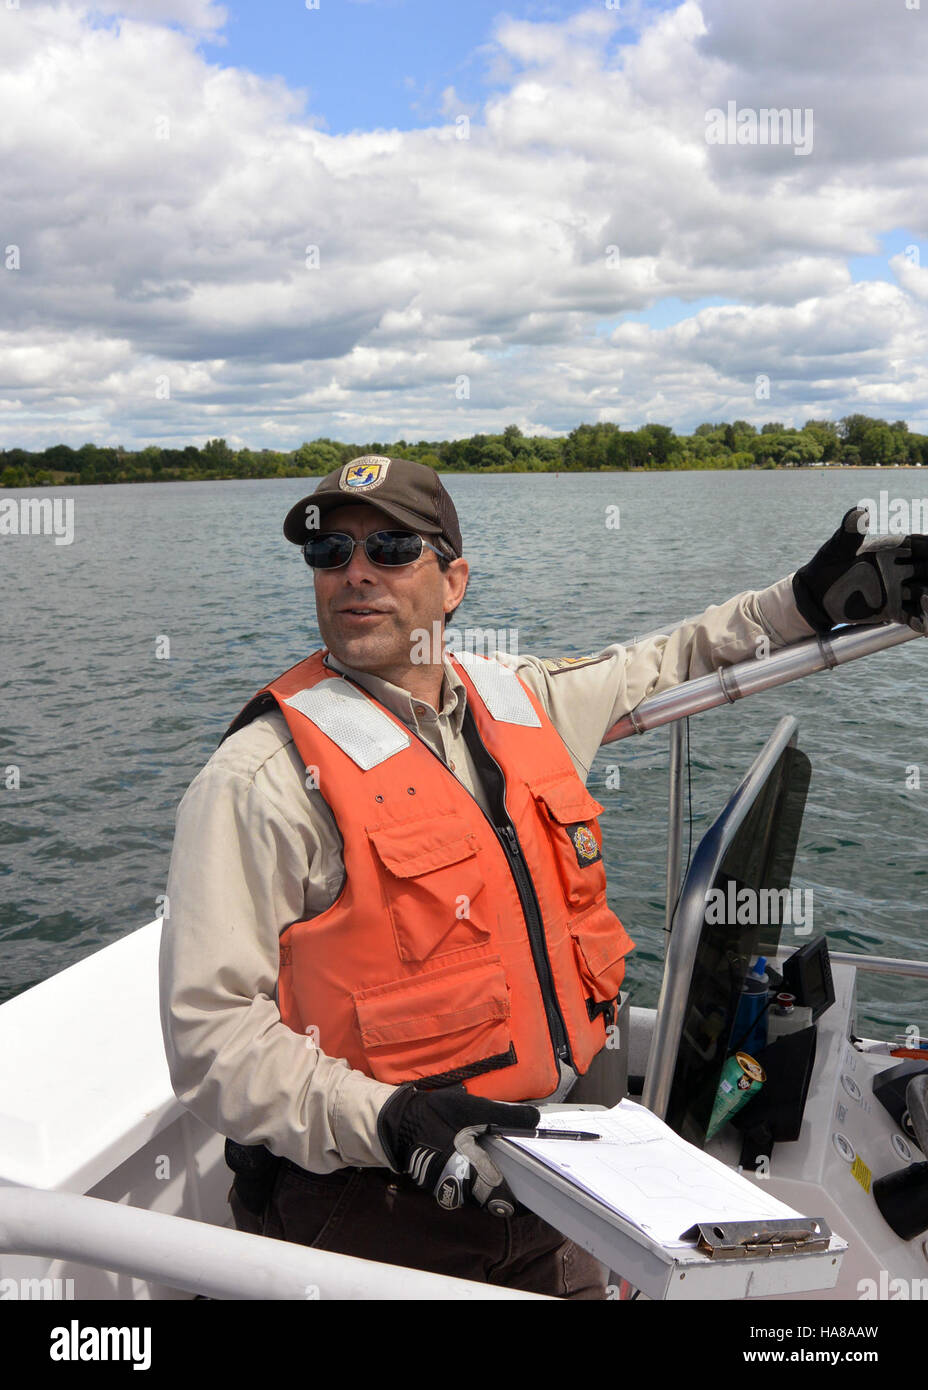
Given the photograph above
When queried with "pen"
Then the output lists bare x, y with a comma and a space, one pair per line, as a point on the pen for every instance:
504, 1132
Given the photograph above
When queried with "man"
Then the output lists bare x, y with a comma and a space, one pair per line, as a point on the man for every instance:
388, 919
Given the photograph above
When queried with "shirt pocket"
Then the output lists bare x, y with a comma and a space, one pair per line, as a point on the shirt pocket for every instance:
434, 886
570, 814
443, 1026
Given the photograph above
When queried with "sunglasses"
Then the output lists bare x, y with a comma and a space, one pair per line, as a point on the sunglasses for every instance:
330, 550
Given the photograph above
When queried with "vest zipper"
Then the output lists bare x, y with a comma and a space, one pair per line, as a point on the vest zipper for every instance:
536, 937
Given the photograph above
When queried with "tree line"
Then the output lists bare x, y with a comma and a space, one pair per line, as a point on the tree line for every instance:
853, 440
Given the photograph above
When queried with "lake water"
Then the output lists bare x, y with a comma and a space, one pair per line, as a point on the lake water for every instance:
106, 735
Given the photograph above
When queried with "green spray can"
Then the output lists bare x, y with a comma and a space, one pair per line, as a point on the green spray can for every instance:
741, 1078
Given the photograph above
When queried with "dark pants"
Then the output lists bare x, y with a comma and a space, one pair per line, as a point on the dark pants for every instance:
376, 1215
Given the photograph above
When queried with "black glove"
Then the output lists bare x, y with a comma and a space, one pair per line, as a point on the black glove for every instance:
418, 1130
856, 578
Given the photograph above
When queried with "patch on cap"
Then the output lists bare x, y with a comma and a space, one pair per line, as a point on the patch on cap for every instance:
364, 474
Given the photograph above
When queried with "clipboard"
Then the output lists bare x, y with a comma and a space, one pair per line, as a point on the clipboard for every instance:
727, 1260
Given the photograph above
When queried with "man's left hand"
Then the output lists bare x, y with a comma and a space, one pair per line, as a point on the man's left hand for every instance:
858, 578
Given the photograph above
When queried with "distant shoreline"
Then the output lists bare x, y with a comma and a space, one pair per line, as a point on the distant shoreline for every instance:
69, 480
855, 441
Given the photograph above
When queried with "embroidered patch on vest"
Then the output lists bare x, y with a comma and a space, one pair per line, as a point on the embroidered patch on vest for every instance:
350, 719
500, 690
584, 843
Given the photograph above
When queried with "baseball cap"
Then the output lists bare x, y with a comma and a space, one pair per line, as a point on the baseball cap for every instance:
410, 493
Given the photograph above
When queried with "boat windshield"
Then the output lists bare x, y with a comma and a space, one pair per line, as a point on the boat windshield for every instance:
744, 879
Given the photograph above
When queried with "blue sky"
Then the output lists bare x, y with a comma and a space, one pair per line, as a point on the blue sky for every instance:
892, 243
372, 63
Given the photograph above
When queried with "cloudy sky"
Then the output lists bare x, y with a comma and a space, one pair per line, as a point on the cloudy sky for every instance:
375, 219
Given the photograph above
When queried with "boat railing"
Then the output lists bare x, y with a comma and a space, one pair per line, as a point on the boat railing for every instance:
212, 1261
765, 671
881, 965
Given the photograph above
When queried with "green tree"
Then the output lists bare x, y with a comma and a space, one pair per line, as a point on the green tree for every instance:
320, 456
494, 455
589, 446
60, 457
627, 449
789, 447
826, 432
659, 442
878, 445
152, 459
455, 453
547, 452
217, 455
853, 428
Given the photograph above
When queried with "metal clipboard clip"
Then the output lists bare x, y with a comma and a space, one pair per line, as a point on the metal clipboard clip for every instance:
733, 1240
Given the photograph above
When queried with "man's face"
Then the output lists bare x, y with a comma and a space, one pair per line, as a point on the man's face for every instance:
367, 613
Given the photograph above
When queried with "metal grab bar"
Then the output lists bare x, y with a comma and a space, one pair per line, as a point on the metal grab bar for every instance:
881, 965
730, 683
674, 824
205, 1259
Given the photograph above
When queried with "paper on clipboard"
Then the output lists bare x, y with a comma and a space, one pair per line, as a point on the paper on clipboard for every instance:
644, 1171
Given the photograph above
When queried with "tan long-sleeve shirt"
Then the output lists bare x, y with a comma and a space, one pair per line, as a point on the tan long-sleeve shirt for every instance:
255, 850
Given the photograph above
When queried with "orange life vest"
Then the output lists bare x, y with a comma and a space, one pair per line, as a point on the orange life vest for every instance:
456, 951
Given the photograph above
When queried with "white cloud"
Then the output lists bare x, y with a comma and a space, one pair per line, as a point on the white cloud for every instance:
203, 16
163, 207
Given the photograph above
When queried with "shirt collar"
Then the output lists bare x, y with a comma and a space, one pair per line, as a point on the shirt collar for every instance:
453, 699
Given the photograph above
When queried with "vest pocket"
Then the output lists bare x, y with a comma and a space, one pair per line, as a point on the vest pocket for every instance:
601, 944
445, 1025
570, 813
433, 886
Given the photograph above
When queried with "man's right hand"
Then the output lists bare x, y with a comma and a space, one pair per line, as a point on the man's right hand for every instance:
418, 1128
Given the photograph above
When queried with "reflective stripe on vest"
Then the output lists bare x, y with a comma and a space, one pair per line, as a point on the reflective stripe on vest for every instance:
428, 966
